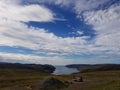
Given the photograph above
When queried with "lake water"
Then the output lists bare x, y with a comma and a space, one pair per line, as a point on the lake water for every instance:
62, 70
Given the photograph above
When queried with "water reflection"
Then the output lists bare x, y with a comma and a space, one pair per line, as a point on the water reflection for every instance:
62, 70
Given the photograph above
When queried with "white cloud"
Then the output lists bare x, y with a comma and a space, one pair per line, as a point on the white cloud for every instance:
57, 2
14, 33
79, 32
14, 11
107, 25
20, 35
29, 58
76, 5
87, 5
55, 60
101, 17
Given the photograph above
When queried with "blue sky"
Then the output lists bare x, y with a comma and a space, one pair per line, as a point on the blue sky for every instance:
60, 32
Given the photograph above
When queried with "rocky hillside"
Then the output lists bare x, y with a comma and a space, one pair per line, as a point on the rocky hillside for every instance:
38, 67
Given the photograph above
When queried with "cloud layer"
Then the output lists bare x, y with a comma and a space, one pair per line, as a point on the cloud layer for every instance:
15, 33
107, 25
16, 12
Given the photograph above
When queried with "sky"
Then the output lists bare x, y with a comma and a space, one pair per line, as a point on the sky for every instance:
60, 32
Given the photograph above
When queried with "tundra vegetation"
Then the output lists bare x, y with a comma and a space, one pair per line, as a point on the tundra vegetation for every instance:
34, 79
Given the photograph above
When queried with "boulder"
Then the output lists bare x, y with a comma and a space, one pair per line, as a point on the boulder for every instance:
52, 84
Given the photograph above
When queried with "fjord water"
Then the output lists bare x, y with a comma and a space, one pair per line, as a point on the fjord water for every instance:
62, 70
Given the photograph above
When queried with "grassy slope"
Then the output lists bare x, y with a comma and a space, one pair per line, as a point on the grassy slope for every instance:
19, 77
103, 80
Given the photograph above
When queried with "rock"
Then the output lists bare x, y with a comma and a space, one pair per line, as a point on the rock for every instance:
80, 79
48, 68
52, 84
28, 88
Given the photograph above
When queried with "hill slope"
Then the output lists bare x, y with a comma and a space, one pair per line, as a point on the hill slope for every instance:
38, 67
96, 67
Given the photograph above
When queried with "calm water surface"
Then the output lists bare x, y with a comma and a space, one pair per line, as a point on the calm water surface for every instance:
62, 70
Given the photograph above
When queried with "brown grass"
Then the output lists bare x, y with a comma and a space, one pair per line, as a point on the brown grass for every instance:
21, 79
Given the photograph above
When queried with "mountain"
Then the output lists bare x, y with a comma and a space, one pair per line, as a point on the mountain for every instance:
37, 67
94, 67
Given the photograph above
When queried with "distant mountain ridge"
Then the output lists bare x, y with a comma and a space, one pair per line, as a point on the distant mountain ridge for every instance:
94, 67
38, 67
